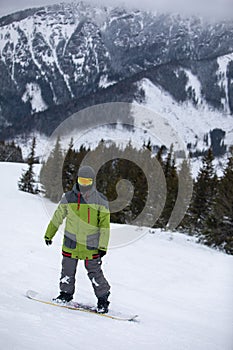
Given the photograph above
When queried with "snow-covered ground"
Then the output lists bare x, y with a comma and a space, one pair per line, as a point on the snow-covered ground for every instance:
182, 291
189, 122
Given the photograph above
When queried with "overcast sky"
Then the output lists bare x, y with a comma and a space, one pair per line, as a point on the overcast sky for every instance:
208, 7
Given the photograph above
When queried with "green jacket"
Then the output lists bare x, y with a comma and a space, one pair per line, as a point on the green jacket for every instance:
87, 224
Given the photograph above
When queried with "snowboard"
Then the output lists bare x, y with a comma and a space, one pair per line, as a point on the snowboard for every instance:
30, 294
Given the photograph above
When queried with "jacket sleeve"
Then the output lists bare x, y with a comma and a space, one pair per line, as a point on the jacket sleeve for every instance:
104, 226
57, 220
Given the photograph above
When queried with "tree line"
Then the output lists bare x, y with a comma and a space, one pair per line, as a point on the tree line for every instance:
10, 152
209, 212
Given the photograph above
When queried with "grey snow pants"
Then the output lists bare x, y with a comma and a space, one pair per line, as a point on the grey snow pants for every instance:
94, 272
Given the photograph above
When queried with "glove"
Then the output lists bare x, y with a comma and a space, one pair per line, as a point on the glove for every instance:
48, 241
102, 253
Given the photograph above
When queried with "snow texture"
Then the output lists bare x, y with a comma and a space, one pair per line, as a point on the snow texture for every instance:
189, 122
182, 291
33, 95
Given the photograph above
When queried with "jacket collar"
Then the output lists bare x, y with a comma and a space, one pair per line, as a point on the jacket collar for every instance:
86, 195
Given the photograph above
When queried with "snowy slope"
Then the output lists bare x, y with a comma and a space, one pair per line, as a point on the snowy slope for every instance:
182, 291
189, 122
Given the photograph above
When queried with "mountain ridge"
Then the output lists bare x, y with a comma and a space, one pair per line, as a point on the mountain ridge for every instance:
62, 54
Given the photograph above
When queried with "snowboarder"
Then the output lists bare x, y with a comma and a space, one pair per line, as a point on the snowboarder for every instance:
86, 236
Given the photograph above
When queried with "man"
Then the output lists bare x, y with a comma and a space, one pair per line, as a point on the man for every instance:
86, 236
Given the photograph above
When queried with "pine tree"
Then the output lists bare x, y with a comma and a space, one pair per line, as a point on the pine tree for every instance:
69, 168
183, 198
204, 192
158, 195
27, 181
79, 156
51, 173
171, 176
218, 231
160, 154
58, 173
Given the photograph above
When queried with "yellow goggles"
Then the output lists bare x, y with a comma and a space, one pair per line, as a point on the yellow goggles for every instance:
84, 181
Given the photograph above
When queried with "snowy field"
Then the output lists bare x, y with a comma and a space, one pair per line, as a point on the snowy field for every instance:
182, 291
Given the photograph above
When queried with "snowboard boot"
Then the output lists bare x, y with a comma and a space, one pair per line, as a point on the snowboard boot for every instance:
63, 297
103, 303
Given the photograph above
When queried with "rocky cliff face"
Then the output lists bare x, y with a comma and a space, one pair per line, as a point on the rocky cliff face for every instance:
61, 54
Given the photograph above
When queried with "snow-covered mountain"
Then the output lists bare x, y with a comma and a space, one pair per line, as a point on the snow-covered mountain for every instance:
194, 125
182, 291
58, 59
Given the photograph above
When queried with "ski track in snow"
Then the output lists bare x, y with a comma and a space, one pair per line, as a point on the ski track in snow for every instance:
182, 291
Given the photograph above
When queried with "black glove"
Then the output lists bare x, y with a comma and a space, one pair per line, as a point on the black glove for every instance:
48, 241
102, 253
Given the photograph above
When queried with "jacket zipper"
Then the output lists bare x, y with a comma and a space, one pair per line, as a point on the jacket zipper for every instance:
78, 207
